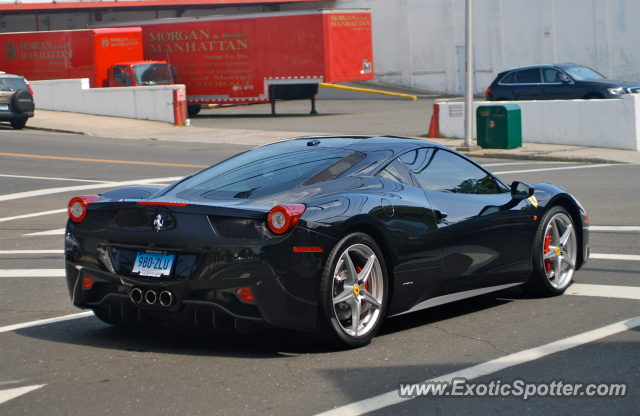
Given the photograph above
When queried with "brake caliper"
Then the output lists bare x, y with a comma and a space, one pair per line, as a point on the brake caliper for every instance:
547, 242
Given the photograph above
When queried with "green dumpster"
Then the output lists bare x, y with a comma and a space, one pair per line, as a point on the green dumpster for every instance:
499, 126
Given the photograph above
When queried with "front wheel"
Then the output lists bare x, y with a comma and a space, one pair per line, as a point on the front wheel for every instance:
353, 293
555, 252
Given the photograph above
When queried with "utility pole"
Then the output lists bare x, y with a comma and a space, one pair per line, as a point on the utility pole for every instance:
468, 88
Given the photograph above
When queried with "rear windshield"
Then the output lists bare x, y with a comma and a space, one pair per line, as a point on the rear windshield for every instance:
12, 84
265, 171
152, 74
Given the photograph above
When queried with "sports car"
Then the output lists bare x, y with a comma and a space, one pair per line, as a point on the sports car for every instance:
323, 234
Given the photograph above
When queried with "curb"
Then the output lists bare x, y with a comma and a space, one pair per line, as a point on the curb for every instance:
85, 133
541, 157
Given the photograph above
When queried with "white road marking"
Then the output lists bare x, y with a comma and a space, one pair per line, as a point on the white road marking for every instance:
613, 228
59, 231
631, 257
16, 327
31, 252
32, 272
6, 395
523, 163
604, 291
562, 168
53, 179
35, 214
50, 191
391, 398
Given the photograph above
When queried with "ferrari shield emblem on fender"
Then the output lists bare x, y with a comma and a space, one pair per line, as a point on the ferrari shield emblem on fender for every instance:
157, 223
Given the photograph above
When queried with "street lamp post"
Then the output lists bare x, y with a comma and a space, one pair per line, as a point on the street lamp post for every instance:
468, 88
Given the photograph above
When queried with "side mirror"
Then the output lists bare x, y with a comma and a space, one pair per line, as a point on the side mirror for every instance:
562, 77
521, 190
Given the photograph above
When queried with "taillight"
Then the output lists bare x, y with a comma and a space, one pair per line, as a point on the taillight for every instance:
245, 295
284, 217
488, 91
28, 86
77, 207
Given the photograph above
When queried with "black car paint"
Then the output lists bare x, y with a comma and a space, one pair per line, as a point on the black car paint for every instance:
574, 89
400, 218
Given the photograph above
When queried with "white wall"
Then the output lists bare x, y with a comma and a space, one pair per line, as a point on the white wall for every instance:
74, 95
611, 123
416, 42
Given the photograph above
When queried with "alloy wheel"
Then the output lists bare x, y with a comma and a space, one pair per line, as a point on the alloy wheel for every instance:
357, 290
559, 251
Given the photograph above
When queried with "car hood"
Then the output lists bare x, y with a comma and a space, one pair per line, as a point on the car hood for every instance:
612, 83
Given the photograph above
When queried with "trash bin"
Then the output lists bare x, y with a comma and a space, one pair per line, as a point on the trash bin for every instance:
499, 126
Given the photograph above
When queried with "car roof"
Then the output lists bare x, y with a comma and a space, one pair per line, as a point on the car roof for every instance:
4, 75
543, 65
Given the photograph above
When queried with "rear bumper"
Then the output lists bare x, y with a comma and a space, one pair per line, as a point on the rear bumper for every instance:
284, 284
10, 116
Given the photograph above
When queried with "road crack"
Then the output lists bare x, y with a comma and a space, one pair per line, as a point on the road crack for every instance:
474, 339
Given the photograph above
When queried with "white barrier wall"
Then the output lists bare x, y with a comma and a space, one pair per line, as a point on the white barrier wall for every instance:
74, 95
613, 123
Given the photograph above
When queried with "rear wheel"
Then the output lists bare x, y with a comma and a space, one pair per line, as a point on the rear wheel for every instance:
353, 293
554, 254
193, 110
18, 124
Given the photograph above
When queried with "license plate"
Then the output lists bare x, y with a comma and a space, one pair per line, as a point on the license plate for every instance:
4, 107
153, 264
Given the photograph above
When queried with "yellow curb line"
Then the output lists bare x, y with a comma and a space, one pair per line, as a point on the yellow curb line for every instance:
342, 87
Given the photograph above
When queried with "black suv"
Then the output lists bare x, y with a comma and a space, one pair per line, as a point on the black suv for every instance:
16, 100
556, 82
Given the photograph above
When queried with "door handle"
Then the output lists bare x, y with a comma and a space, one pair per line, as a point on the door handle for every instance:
440, 215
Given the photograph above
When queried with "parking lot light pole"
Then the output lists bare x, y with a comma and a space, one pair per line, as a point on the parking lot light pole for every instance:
468, 88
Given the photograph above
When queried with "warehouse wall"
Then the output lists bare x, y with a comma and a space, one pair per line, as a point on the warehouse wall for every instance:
420, 43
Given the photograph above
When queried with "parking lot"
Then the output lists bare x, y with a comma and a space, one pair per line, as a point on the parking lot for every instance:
82, 366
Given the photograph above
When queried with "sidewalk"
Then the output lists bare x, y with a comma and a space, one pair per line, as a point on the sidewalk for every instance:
124, 128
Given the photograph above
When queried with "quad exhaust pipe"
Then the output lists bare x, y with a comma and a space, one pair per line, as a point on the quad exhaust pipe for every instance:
151, 297
166, 298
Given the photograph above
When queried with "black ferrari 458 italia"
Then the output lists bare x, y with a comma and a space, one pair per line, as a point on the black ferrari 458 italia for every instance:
326, 235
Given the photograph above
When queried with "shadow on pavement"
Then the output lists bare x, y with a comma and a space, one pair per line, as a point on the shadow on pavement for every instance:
273, 343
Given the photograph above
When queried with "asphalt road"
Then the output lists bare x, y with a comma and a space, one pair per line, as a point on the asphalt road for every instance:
398, 117
83, 366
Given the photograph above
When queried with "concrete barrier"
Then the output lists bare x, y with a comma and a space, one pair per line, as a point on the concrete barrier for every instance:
74, 95
613, 123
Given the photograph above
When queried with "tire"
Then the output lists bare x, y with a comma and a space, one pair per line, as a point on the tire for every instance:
22, 101
554, 254
593, 97
18, 124
361, 291
193, 110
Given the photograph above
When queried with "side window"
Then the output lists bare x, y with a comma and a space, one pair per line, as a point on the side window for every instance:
395, 171
549, 75
439, 170
509, 79
117, 74
528, 76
